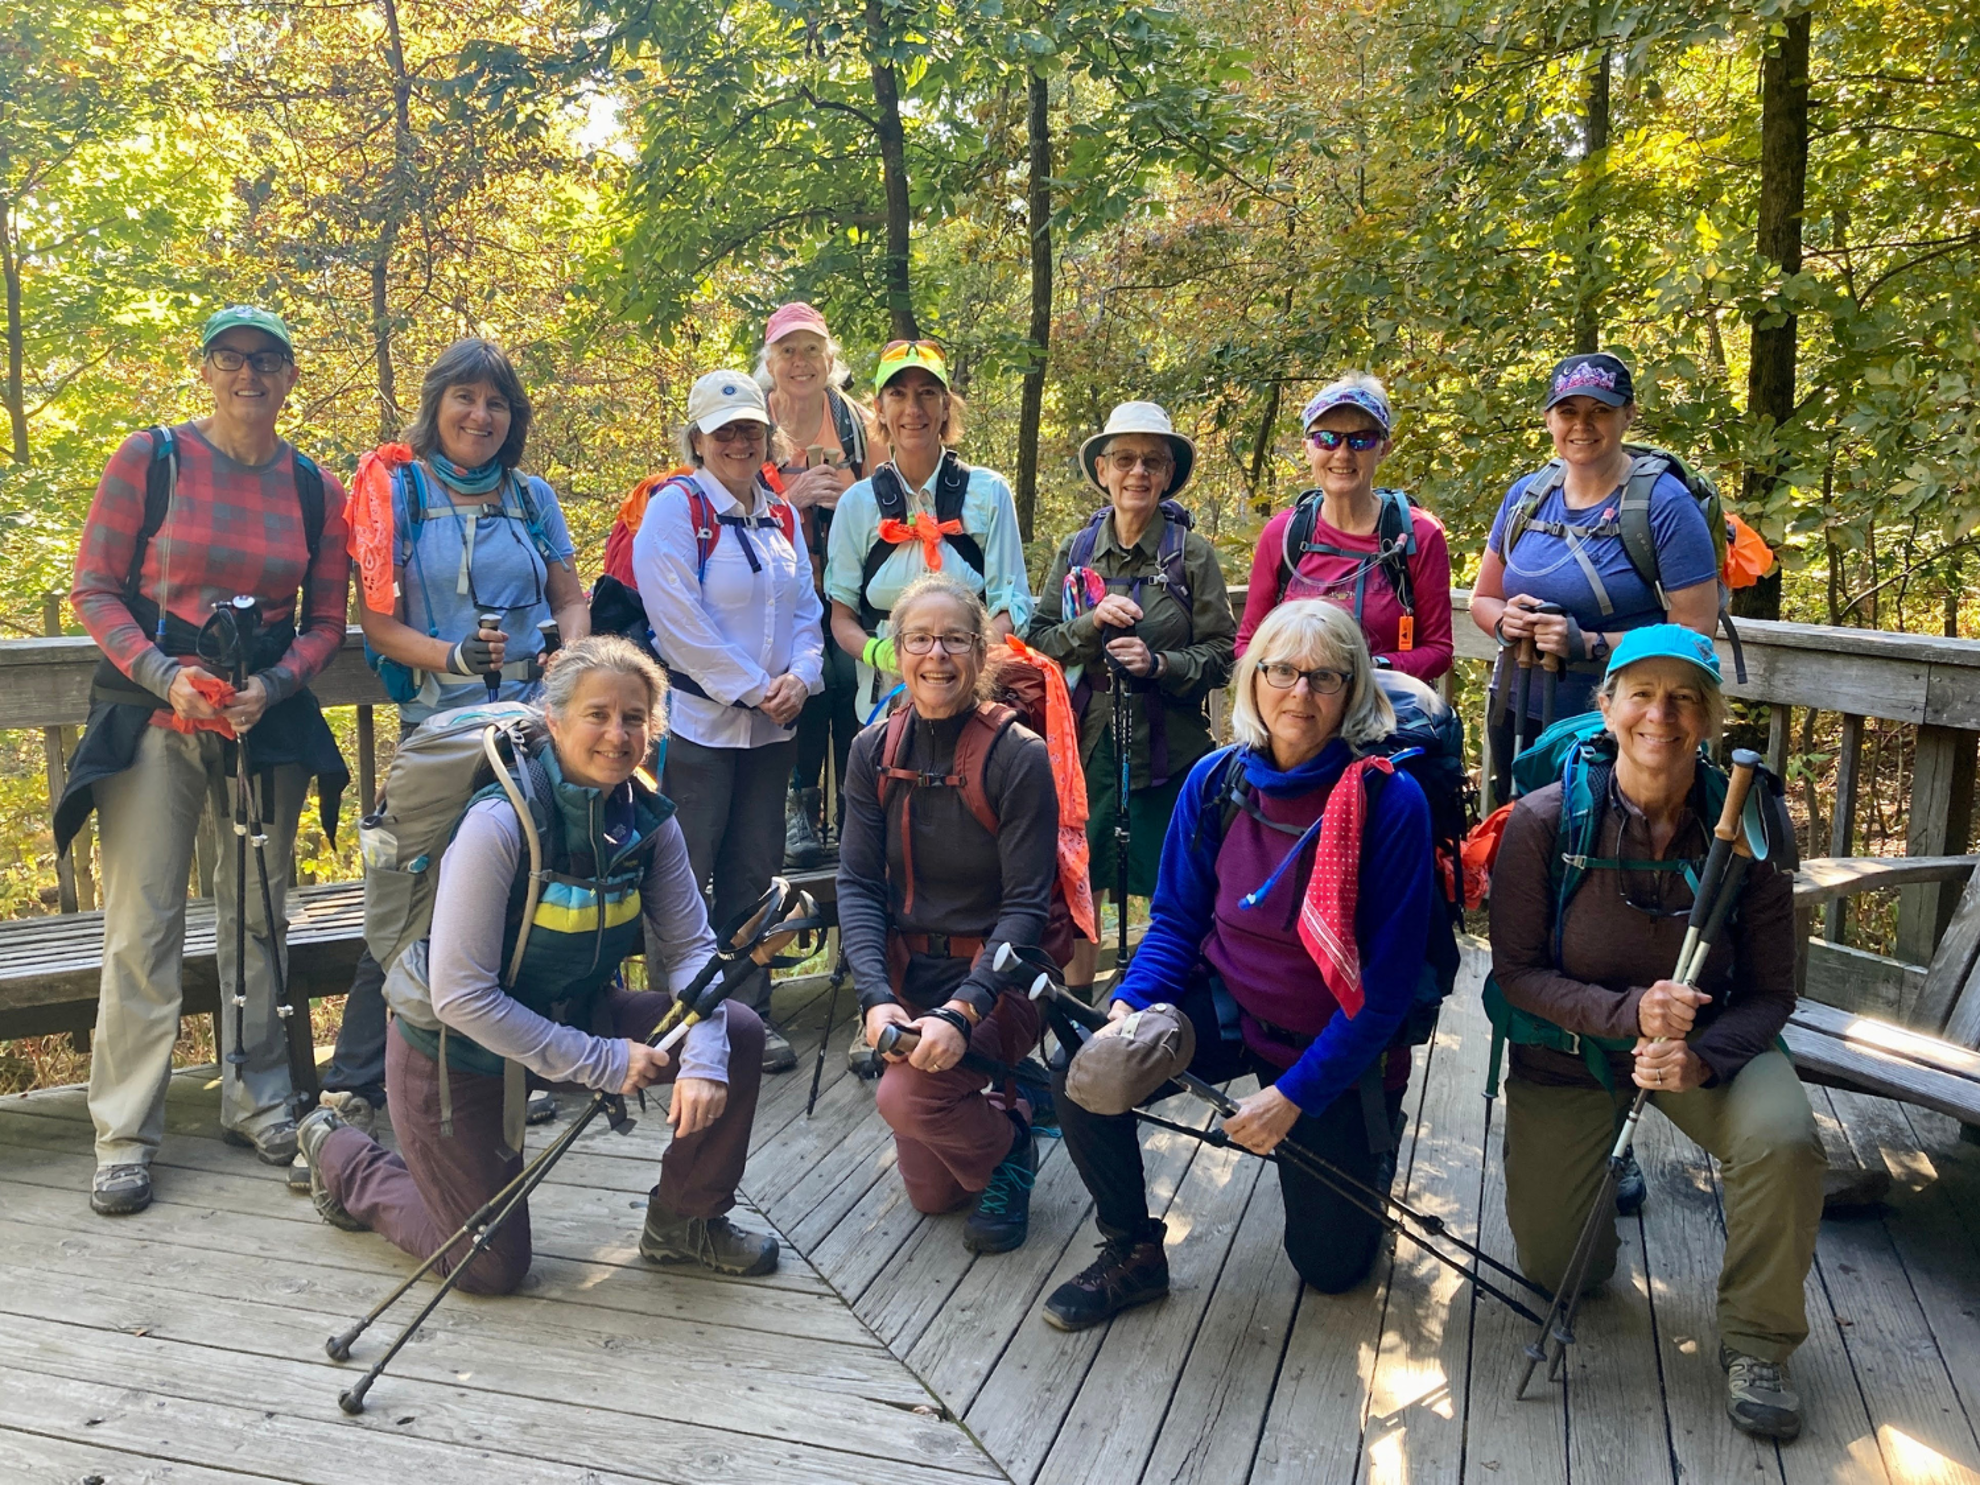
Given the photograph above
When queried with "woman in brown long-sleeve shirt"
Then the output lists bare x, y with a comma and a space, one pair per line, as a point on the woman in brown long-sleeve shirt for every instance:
927, 889
1706, 1055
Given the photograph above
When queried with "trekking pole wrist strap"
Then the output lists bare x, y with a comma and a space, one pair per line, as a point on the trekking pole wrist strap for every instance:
954, 1018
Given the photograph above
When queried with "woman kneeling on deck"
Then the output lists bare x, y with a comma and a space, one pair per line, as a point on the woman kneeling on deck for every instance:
618, 864
926, 890
1589, 1009
1261, 839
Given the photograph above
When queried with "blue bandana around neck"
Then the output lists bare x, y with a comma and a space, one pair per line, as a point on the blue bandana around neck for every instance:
479, 480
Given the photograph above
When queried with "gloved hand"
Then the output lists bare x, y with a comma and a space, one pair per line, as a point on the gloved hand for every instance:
879, 654
476, 655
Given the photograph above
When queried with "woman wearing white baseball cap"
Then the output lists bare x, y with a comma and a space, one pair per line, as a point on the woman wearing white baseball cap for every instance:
736, 622
1136, 598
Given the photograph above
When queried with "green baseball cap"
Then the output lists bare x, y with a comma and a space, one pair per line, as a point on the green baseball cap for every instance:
897, 356
246, 317
1670, 642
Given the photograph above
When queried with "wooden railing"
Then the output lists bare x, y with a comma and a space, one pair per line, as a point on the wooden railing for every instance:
1922, 682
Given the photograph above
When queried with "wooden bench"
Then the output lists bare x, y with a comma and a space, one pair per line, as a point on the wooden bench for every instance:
50, 968
1930, 1053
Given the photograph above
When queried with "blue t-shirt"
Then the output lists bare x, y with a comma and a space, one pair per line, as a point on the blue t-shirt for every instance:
507, 574
1542, 566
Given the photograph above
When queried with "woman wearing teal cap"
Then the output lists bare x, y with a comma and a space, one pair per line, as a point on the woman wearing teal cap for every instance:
1593, 1016
924, 510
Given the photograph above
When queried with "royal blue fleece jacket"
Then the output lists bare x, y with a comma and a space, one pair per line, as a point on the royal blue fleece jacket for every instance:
1197, 917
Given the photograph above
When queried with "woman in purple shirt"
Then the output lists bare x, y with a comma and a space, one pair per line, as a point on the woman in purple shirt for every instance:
1248, 839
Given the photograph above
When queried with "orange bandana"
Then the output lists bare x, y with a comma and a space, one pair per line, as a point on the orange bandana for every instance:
369, 512
925, 529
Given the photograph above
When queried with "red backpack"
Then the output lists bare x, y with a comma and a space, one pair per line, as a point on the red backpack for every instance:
1024, 696
707, 530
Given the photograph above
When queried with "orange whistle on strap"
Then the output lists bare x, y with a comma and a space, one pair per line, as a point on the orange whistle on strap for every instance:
925, 529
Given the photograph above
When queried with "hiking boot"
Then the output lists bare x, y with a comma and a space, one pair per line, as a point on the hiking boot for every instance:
120, 1190
778, 1054
713, 1242
317, 1126
1630, 1190
273, 1144
802, 847
863, 1060
1003, 1211
541, 1107
1128, 1272
1759, 1397
1044, 1112
354, 1109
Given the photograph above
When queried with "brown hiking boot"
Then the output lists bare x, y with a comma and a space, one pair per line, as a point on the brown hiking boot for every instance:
1128, 1272
713, 1242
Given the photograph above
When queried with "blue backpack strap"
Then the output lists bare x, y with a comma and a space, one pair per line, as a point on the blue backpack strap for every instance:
532, 517
1520, 516
1086, 539
1176, 526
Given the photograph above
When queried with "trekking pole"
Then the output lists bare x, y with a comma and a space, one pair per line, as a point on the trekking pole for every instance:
831, 1012
302, 1067
733, 963
1123, 748
1523, 658
1551, 664
493, 679
237, 617
1718, 889
1392, 1212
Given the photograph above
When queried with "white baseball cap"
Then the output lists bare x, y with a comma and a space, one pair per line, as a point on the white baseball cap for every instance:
723, 397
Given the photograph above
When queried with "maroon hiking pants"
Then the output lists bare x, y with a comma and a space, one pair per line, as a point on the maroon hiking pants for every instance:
419, 1197
949, 1131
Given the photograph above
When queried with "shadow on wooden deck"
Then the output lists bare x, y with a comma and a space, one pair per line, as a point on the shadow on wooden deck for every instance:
186, 1344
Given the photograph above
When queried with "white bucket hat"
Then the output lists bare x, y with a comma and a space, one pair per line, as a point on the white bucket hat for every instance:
724, 397
1140, 417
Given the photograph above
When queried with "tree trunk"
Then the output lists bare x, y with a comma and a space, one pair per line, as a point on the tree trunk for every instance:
1783, 189
16, 350
1038, 206
893, 166
1594, 167
398, 187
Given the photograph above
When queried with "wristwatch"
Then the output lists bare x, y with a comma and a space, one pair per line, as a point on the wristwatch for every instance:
1598, 648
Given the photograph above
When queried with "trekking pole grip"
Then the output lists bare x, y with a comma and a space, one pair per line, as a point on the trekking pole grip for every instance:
1745, 763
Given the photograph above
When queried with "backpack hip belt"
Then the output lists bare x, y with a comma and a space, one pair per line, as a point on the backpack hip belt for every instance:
1524, 1029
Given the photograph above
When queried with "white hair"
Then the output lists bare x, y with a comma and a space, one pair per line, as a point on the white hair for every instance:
837, 373
1311, 633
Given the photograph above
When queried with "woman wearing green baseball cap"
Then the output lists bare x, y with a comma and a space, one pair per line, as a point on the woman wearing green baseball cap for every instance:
923, 510
1594, 1013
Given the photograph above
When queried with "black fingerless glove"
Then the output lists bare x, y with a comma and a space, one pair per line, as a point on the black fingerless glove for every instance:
472, 656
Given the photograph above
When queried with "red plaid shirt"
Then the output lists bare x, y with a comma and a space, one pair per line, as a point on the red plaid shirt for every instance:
231, 529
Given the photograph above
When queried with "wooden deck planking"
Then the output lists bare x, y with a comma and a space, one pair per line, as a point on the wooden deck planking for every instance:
1240, 1374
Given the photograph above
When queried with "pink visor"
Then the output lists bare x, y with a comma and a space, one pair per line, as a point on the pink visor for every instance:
795, 316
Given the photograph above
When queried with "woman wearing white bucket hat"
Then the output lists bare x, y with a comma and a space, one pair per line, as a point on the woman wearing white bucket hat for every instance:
1136, 598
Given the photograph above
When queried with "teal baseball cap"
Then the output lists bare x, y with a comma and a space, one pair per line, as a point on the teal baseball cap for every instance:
246, 317
1667, 641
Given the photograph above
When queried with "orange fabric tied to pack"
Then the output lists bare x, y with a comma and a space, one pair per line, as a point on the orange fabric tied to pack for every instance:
1748, 558
1068, 780
369, 511
925, 529
1480, 850
632, 510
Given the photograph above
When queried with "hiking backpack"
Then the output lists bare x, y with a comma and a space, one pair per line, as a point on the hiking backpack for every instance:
1427, 744
890, 499
1631, 525
161, 483
1177, 523
1021, 697
616, 607
439, 767
1578, 753
1395, 544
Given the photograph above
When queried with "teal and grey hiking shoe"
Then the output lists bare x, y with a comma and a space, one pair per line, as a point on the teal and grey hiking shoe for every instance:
316, 1127
1003, 1212
120, 1190
1760, 1399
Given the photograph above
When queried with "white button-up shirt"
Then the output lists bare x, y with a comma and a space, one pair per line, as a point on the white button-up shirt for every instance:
733, 630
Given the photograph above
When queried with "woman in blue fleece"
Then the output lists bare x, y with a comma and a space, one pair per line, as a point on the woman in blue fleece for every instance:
1248, 845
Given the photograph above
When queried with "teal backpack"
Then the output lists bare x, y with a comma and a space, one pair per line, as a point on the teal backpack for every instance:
1579, 753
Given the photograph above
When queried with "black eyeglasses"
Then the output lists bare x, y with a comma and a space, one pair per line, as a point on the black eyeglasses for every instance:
265, 363
1280, 675
1331, 439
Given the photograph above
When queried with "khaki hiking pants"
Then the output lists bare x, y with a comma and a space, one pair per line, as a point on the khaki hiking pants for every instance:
147, 817
1762, 1132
